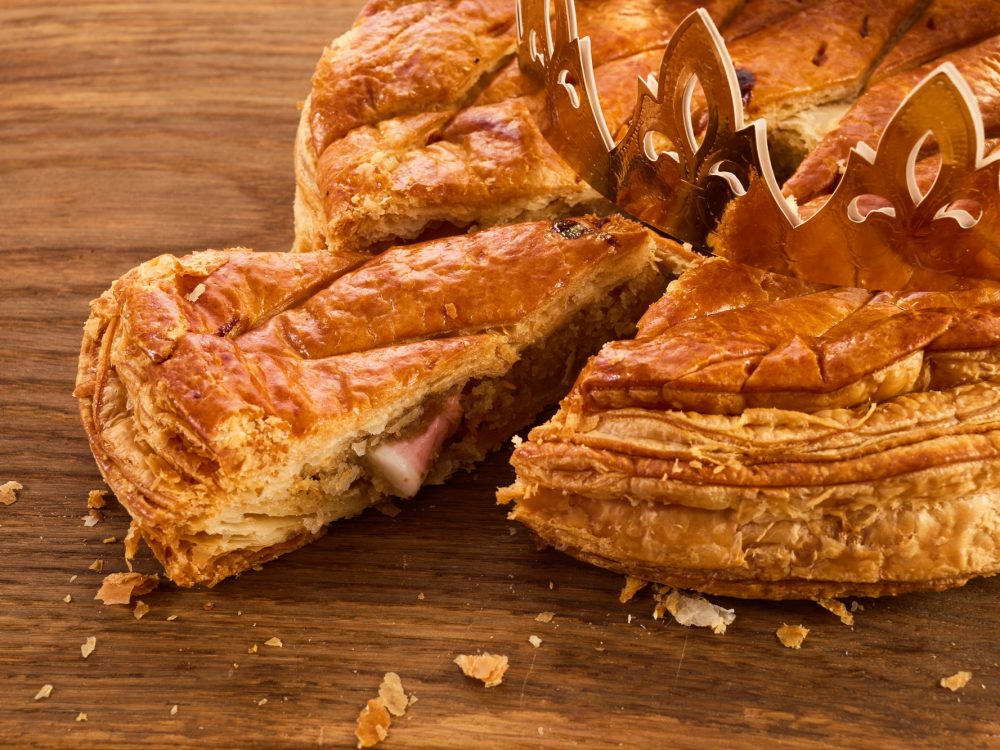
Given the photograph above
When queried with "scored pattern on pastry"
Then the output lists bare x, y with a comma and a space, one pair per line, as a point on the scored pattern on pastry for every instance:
762, 436
230, 397
879, 229
419, 161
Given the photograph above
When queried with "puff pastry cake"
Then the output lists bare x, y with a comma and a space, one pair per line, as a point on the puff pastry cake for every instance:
238, 402
761, 437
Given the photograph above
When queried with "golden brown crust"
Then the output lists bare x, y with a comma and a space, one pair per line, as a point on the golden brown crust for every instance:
221, 391
756, 15
760, 437
944, 26
384, 68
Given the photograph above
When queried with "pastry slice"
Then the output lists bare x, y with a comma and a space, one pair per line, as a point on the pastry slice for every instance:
762, 437
238, 402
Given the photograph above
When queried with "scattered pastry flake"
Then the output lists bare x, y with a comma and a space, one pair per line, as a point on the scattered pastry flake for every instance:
95, 499
109, 540
388, 508
208, 606
838, 608
490, 668
92, 518
119, 588
81, 716
534, 640
68, 598
97, 566
253, 649
171, 618
8, 492
131, 544
274, 642
88, 646
957, 681
376, 716
73, 578
792, 636
43, 692
545, 616
373, 724
141, 608
694, 610
173, 710
420, 596
856, 606
196, 293
390, 692
632, 587
262, 702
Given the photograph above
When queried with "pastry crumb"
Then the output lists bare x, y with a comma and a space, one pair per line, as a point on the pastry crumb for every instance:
262, 702
388, 508
43, 692
109, 540
92, 518
81, 716
68, 598
373, 724
131, 544
119, 588
208, 606
97, 566
196, 293
141, 608
420, 596
8, 492
274, 642
632, 587
390, 692
95, 499
838, 608
534, 640
88, 646
487, 667
956, 681
792, 636
374, 720
253, 649
545, 616
691, 611
173, 710
171, 618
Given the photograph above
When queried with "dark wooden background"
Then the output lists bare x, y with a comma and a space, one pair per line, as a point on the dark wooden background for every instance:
128, 130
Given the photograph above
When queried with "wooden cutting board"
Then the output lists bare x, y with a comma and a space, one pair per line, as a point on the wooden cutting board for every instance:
129, 130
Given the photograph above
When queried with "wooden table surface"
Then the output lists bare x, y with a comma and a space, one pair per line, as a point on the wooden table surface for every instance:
129, 130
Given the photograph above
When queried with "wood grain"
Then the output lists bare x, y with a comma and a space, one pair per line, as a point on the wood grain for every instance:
128, 130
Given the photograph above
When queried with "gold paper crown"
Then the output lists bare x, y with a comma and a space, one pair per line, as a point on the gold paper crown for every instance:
877, 230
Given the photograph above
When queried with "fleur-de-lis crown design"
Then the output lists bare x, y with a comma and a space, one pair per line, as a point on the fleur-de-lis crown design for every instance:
712, 184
